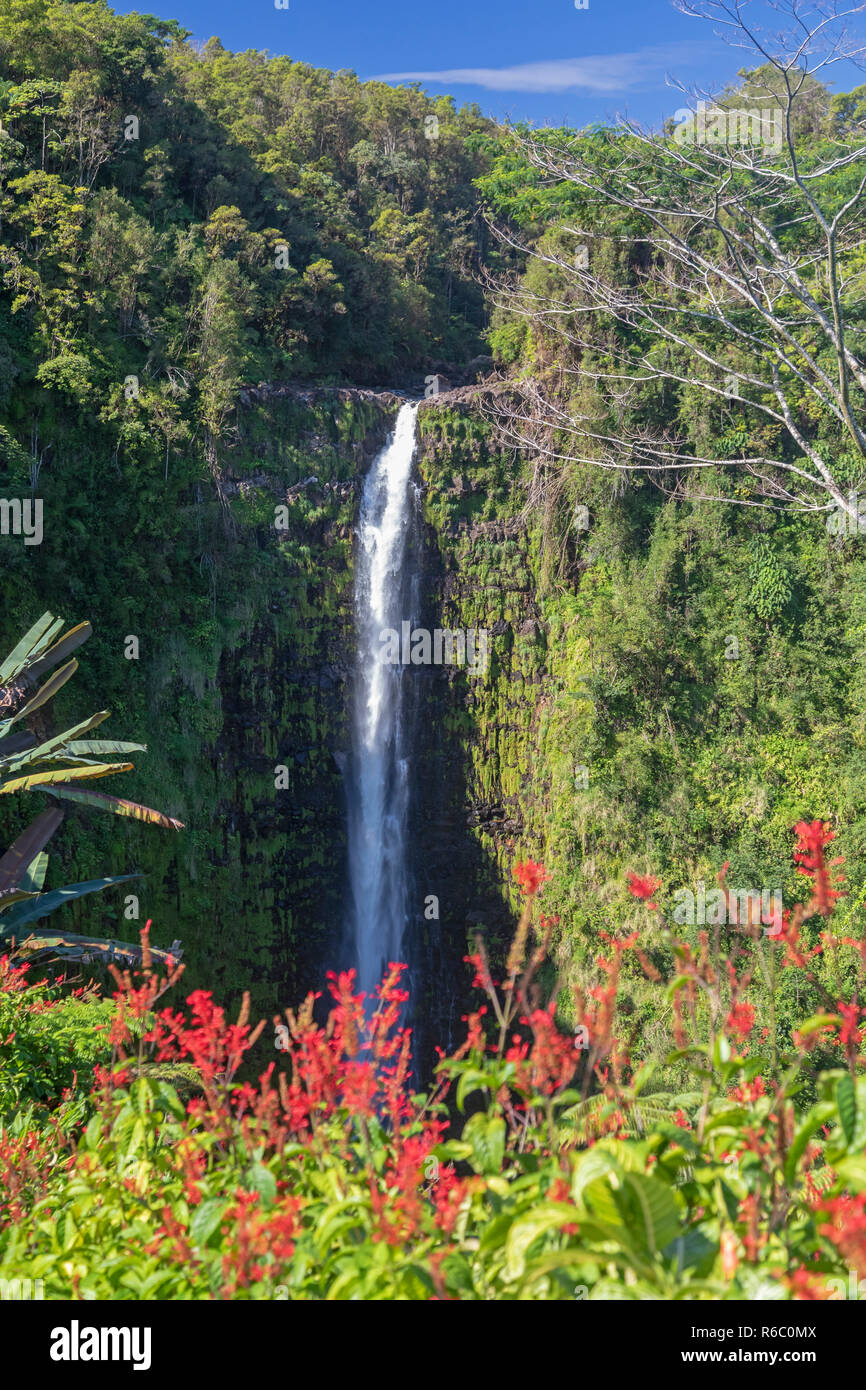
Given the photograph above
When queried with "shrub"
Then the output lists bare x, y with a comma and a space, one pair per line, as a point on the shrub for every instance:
569, 1177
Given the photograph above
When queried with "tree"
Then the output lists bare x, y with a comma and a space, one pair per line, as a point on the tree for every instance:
718, 263
28, 763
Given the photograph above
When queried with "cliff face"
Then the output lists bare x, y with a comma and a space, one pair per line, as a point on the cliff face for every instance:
285, 686
242, 599
474, 728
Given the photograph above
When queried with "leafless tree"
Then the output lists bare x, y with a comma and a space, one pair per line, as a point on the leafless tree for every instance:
732, 266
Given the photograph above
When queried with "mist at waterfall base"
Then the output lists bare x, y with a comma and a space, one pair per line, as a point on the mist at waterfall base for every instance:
379, 769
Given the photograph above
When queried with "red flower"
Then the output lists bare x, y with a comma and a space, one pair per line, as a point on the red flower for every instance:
530, 876
812, 839
847, 1229
804, 1285
741, 1020
447, 1196
643, 888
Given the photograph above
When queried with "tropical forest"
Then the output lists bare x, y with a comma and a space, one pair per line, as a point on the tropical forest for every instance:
433, 684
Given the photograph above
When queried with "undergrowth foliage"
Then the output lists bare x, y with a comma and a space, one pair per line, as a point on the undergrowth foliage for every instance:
578, 1173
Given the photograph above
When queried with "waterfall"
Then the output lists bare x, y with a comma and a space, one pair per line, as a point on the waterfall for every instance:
379, 767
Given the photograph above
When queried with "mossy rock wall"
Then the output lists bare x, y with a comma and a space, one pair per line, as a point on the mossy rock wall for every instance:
245, 641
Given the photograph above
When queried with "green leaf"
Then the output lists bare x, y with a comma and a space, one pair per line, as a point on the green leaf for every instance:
35, 875
594, 1164
15, 895
47, 691
115, 804
657, 1217
486, 1134
858, 1143
49, 749
206, 1219
17, 658
44, 780
23, 850
527, 1229
74, 638
817, 1116
691, 1249
643, 1075
263, 1181
101, 747
470, 1080
44, 903
68, 944
846, 1100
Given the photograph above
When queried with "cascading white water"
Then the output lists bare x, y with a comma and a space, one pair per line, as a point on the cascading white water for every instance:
379, 768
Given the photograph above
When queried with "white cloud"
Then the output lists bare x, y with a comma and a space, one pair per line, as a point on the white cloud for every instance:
598, 73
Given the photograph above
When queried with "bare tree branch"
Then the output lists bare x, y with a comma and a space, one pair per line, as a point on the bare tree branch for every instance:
727, 257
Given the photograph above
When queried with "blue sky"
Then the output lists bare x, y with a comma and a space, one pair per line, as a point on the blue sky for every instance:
540, 60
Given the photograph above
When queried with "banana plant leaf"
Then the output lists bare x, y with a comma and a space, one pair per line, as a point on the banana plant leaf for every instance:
69, 946
35, 876
41, 780
33, 641
49, 749
15, 862
44, 903
47, 691
40, 647
73, 639
81, 748
10, 899
102, 801
13, 744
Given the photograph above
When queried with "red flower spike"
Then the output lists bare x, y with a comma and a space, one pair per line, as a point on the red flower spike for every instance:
812, 839
530, 876
643, 888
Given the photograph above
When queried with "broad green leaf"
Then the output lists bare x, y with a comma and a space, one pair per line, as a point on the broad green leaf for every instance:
49, 749
690, 1249
593, 1164
22, 851
858, 1143
73, 639
66, 774
263, 1181
17, 658
206, 1219
337, 1219
655, 1207
101, 746
117, 805
44, 903
75, 947
35, 875
470, 1080
599, 1197
816, 1117
48, 690
527, 1229
8, 900
486, 1134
